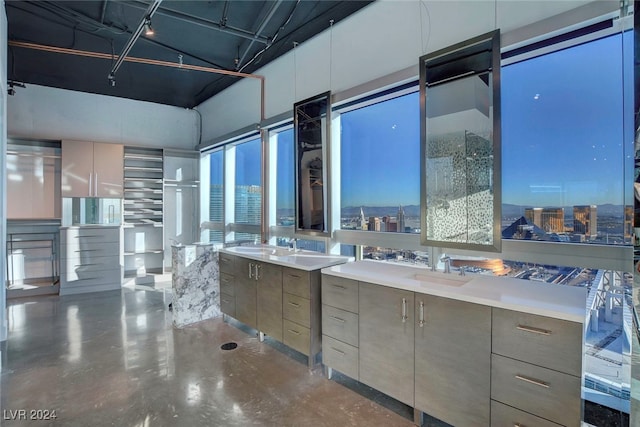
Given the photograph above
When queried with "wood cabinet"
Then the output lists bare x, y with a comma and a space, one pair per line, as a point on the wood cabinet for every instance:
386, 353
91, 169
453, 360
246, 292
226, 264
536, 367
340, 324
269, 299
281, 302
463, 363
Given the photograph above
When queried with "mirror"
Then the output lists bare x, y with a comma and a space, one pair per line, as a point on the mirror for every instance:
460, 145
312, 125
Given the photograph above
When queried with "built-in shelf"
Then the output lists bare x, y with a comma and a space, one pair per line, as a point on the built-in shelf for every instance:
143, 215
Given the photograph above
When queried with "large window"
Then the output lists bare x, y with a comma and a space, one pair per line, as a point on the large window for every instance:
380, 166
248, 187
284, 162
216, 194
564, 162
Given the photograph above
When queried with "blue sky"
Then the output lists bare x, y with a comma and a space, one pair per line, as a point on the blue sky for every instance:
562, 120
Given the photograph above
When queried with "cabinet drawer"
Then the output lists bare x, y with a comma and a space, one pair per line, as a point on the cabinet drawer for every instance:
226, 284
296, 309
85, 250
543, 341
340, 356
296, 282
297, 337
340, 293
71, 236
539, 391
228, 304
97, 263
226, 263
91, 278
340, 324
506, 416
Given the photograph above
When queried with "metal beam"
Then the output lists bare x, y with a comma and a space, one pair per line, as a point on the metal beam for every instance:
196, 20
104, 11
134, 37
265, 22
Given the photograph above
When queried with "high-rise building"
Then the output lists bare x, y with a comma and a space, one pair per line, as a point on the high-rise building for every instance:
363, 220
628, 222
248, 208
551, 220
389, 224
585, 220
374, 223
400, 220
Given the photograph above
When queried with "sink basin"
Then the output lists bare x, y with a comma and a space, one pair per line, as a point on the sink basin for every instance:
438, 279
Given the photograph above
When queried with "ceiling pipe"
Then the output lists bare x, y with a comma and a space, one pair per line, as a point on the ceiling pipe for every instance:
264, 24
134, 37
185, 17
136, 60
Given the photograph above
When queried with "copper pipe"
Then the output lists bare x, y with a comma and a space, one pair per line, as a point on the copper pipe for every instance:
137, 60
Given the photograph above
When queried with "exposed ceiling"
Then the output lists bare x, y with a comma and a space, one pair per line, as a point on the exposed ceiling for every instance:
232, 35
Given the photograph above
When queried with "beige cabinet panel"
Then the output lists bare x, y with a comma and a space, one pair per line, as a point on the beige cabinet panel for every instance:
108, 169
386, 354
269, 306
77, 169
453, 360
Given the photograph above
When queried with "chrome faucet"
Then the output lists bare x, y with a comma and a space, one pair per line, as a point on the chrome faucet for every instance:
447, 264
293, 245
462, 270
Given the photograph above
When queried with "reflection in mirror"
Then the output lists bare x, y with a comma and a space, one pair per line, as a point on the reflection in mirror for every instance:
460, 127
311, 126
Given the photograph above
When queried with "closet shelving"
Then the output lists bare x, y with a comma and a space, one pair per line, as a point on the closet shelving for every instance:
143, 213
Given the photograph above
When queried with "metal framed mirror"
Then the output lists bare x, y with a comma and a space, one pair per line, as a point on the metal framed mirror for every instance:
312, 130
460, 145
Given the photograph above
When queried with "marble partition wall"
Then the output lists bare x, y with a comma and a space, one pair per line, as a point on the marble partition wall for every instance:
196, 283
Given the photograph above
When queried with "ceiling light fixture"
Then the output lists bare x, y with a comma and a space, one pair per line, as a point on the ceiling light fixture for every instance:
148, 30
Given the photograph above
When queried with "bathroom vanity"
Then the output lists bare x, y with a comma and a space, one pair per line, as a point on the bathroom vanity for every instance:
277, 292
470, 350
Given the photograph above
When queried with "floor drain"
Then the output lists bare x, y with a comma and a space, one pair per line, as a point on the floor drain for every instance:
229, 346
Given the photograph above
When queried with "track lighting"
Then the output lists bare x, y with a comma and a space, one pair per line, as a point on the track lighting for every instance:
148, 30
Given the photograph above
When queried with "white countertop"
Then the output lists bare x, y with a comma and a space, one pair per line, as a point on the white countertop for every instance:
544, 299
300, 259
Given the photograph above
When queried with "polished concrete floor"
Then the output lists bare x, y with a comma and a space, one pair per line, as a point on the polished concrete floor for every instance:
114, 359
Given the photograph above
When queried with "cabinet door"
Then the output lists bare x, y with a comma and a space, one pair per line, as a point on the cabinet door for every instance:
387, 340
453, 360
108, 169
246, 297
77, 169
270, 300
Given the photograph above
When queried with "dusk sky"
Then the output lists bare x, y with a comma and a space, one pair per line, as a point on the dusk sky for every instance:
562, 137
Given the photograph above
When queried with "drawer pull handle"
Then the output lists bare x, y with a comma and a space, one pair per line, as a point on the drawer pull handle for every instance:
532, 381
533, 330
226, 261
404, 310
421, 322
293, 275
519, 425
294, 332
87, 235
337, 319
342, 353
338, 286
296, 305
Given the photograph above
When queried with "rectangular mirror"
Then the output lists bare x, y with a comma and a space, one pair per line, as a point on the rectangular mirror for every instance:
460, 145
312, 126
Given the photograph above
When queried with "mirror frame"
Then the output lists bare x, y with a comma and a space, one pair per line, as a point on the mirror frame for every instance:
454, 63
326, 142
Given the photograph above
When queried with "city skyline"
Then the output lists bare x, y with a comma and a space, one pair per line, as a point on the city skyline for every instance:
576, 158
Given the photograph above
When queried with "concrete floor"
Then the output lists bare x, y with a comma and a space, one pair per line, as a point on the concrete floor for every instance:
114, 359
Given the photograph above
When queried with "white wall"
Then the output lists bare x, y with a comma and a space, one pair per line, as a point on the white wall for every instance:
39, 112
3, 174
385, 37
